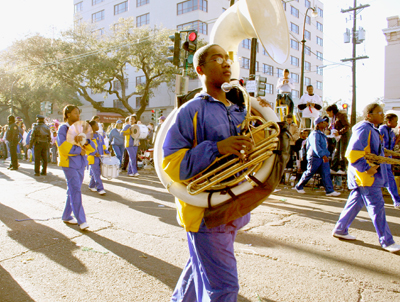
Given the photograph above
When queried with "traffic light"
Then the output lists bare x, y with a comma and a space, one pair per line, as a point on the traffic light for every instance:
43, 106
176, 49
261, 85
190, 46
160, 112
345, 106
153, 115
49, 107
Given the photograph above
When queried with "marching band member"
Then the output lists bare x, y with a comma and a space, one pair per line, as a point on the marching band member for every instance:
366, 180
116, 138
389, 141
206, 127
72, 159
129, 145
96, 184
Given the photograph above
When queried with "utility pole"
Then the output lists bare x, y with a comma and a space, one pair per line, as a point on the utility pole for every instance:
354, 57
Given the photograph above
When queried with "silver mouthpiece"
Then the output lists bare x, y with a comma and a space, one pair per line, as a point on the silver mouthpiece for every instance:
226, 87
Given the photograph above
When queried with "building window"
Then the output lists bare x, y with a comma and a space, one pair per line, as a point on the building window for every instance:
295, 77
142, 20
295, 93
117, 84
294, 61
98, 32
319, 56
191, 5
96, 17
320, 12
307, 81
246, 43
307, 50
307, 66
284, 5
307, 3
141, 2
138, 101
280, 73
307, 35
140, 80
268, 69
319, 85
269, 88
308, 19
118, 104
94, 2
78, 7
265, 53
201, 27
320, 42
294, 44
120, 8
320, 71
320, 26
294, 28
245, 63
294, 11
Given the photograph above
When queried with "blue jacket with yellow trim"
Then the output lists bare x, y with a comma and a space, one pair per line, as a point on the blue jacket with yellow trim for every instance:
69, 155
389, 137
318, 144
365, 139
116, 137
128, 138
100, 147
190, 146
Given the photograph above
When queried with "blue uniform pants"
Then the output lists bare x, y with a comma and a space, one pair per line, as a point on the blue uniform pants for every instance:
372, 198
95, 173
211, 272
74, 180
392, 188
119, 151
132, 151
315, 164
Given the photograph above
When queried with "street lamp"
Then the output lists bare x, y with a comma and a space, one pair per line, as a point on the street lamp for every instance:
314, 14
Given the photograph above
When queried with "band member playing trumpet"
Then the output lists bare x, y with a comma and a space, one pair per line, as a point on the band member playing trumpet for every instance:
366, 180
205, 128
72, 159
130, 147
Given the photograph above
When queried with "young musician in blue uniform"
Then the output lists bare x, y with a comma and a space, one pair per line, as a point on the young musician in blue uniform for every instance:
205, 128
366, 180
96, 184
389, 141
117, 140
72, 159
129, 145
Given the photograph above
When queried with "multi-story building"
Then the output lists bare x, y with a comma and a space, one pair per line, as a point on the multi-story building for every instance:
201, 15
392, 64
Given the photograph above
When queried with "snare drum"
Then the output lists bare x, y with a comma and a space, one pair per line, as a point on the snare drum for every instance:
139, 131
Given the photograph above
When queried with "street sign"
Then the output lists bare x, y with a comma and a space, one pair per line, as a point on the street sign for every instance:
251, 86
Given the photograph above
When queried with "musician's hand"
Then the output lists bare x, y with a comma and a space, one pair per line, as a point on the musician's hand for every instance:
263, 102
325, 158
83, 152
234, 144
97, 155
373, 170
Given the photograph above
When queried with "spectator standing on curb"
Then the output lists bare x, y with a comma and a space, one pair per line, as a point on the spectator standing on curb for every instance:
317, 158
130, 147
117, 140
389, 141
294, 136
310, 105
340, 128
366, 180
301, 158
12, 136
161, 120
284, 97
40, 141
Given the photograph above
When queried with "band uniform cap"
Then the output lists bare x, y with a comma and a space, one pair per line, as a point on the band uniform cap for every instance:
320, 119
119, 122
162, 117
39, 116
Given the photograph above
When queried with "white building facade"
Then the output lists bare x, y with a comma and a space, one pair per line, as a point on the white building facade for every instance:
201, 15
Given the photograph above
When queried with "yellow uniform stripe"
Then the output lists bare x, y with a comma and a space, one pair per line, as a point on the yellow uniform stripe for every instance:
171, 164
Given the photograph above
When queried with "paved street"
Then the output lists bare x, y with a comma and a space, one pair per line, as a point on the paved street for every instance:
135, 250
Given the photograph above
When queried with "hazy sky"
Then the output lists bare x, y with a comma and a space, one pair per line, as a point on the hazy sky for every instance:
22, 17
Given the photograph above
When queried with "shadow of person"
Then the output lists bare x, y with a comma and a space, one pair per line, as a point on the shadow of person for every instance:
37, 237
6, 177
10, 290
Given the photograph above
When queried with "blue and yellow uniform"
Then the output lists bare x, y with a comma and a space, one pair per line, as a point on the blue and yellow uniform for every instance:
132, 150
190, 147
73, 165
117, 140
94, 162
366, 188
389, 140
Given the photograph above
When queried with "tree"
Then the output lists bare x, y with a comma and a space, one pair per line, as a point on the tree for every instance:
85, 62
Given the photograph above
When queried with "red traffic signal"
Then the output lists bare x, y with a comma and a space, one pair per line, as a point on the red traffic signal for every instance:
192, 36
345, 106
153, 111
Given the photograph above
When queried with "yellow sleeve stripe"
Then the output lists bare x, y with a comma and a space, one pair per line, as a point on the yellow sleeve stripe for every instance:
127, 131
64, 149
195, 129
171, 164
89, 149
354, 155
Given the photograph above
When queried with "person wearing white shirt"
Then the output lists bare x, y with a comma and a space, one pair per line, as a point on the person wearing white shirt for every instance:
284, 97
310, 105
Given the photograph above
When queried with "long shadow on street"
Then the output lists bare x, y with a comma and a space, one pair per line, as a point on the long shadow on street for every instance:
10, 290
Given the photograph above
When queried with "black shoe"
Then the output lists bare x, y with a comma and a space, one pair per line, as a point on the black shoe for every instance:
13, 168
36, 174
43, 173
